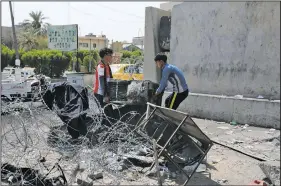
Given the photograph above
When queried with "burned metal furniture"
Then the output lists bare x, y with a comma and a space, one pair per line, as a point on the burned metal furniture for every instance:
132, 92
130, 96
178, 138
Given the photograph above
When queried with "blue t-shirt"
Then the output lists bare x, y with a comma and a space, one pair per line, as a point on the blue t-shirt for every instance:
175, 76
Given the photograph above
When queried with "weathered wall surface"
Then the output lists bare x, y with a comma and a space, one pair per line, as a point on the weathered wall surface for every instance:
228, 48
255, 112
151, 42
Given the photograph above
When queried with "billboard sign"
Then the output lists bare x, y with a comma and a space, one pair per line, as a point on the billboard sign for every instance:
63, 37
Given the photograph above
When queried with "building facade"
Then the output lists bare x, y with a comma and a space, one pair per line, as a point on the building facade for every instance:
91, 42
138, 40
117, 46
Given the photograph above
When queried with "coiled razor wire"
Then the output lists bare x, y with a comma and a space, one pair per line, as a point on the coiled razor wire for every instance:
28, 127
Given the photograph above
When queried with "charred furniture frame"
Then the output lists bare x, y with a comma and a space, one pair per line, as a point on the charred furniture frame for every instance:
173, 130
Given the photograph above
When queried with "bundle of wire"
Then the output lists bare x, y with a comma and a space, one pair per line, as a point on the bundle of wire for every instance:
25, 142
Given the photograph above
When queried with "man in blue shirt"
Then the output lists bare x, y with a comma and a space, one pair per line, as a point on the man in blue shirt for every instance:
175, 76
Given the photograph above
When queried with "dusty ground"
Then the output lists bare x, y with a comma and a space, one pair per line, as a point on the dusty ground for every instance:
233, 167
226, 167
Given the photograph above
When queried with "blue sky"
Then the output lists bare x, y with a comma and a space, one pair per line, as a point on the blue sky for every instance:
117, 20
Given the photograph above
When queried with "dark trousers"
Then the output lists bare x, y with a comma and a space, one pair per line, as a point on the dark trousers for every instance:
108, 111
174, 100
100, 100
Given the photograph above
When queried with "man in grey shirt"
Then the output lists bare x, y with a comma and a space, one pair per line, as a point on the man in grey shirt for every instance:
175, 76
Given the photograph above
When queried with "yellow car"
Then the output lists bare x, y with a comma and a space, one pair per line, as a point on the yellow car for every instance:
127, 71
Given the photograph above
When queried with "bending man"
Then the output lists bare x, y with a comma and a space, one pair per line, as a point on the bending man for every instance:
175, 76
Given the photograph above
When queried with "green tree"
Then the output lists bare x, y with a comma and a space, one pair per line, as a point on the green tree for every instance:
126, 54
136, 53
6, 56
36, 22
48, 62
86, 62
131, 57
27, 39
42, 43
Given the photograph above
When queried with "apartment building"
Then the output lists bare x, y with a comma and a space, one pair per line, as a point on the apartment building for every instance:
91, 42
117, 46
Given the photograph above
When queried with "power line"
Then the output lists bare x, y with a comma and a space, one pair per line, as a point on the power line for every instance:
130, 14
99, 16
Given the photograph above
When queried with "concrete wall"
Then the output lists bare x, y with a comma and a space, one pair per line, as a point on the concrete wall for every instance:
227, 48
151, 44
255, 112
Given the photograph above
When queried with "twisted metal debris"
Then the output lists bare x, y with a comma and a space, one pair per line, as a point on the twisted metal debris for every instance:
34, 137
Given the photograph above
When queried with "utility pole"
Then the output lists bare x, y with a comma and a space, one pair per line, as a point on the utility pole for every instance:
90, 62
17, 62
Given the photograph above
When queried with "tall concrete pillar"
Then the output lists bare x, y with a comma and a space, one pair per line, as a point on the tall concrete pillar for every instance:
151, 44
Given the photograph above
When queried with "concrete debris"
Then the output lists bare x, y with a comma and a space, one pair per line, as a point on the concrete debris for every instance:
222, 181
133, 175
83, 183
204, 160
238, 96
27, 176
144, 151
221, 123
96, 176
229, 132
201, 168
245, 126
249, 147
215, 161
164, 172
276, 142
272, 171
140, 161
189, 169
151, 173
224, 128
237, 142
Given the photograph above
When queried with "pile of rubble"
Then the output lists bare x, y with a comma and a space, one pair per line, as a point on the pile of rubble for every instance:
38, 145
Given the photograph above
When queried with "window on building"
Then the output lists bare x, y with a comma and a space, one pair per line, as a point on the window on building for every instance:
80, 44
94, 45
85, 45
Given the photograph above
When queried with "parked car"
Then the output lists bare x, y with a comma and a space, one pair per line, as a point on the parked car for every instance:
127, 71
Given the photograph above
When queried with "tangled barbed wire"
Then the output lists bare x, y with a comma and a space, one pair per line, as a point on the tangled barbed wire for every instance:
35, 138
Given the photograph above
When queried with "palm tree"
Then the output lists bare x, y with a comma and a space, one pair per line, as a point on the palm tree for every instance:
36, 22
27, 41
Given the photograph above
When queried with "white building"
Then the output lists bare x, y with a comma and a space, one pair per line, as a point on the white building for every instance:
138, 41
